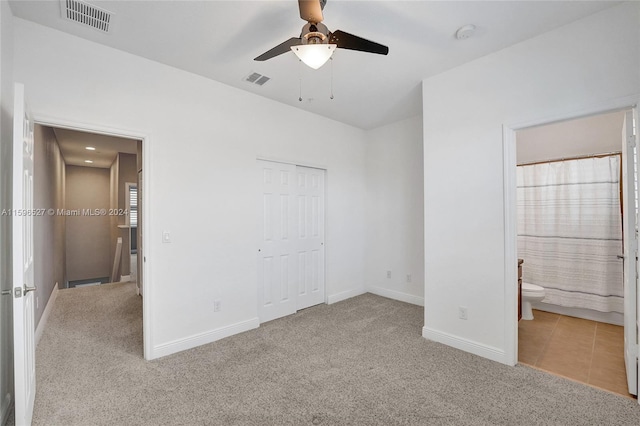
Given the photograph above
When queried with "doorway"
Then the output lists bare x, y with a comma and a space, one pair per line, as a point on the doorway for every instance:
568, 314
291, 249
119, 155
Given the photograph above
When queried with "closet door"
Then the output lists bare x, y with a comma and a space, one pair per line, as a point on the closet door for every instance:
310, 236
277, 246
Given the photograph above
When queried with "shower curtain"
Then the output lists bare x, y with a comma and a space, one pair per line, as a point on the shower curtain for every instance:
570, 231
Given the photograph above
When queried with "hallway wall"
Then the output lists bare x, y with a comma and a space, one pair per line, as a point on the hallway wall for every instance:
87, 237
49, 230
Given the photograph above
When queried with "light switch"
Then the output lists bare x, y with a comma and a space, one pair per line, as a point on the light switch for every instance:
166, 237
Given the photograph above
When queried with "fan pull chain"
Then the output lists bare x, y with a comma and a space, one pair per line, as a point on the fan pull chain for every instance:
331, 59
300, 79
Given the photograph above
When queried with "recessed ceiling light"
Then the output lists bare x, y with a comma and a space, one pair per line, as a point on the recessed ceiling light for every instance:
88, 161
90, 148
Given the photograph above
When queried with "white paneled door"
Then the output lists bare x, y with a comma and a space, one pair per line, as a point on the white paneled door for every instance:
291, 239
310, 236
630, 236
23, 277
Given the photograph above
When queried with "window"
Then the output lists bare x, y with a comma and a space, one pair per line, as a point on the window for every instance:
133, 205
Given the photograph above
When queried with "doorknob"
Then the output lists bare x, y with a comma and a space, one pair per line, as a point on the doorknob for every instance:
620, 256
27, 289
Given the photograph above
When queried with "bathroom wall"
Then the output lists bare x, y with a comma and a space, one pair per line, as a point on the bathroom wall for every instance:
584, 136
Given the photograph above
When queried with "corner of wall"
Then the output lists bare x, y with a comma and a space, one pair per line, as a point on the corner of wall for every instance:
394, 260
485, 351
344, 295
200, 339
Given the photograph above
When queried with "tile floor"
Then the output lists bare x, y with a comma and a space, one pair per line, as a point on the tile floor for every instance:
586, 351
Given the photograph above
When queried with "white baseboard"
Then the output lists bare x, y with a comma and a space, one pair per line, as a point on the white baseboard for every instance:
204, 338
5, 409
396, 295
470, 346
45, 314
614, 318
344, 295
125, 278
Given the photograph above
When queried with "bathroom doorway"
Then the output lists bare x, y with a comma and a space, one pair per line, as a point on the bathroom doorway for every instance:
569, 234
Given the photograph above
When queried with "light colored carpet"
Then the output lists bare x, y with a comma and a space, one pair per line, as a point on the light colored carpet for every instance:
358, 362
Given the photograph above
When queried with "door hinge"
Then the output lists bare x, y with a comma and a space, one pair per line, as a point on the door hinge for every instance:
17, 292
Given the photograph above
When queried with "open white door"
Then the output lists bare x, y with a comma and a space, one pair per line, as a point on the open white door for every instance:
23, 304
630, 236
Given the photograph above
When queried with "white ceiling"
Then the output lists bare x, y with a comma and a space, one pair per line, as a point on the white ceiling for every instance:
219, 39
73, 146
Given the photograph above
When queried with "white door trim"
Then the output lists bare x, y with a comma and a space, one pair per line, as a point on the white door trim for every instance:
510, 210
147, 300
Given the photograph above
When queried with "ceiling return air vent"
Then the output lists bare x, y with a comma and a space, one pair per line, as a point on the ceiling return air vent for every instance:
256, 78
86, 14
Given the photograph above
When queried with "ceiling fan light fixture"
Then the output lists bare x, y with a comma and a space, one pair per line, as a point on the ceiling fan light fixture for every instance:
314, 55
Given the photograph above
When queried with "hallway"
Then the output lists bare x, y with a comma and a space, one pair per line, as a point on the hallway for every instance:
102, 323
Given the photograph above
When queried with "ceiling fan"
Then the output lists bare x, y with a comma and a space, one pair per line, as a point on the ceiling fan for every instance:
316, 43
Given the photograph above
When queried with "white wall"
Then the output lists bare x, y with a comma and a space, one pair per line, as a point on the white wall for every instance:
395, 227
6, 132
596, 134
576, 67
203, 141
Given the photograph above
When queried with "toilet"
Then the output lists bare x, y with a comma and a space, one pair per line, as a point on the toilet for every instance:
530, 293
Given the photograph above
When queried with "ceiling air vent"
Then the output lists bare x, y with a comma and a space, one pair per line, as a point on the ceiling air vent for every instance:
256, 78
86, 14
262, 80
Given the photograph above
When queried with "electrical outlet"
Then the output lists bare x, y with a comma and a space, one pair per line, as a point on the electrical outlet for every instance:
462, 312
408, 278
388, 274
217, 305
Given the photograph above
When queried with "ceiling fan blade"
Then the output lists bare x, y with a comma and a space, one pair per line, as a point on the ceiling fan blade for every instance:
279, 49
352, 42
311, 10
